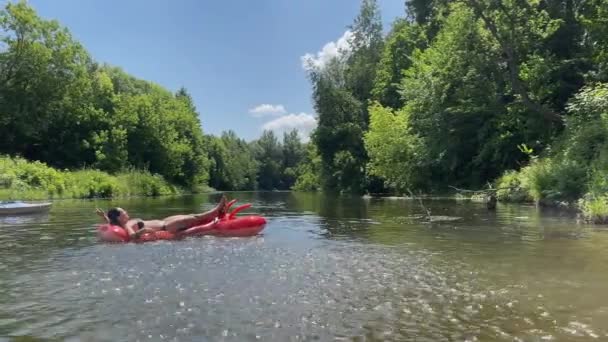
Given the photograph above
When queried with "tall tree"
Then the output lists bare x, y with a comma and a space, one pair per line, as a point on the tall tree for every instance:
593, 16
293, 154
59, 106
43, 81
451, 97
233, 166
339, 135
309, 170
396, 153
366, 45
401, 42
517, 27
183, 95
341, 91
268, 152
420, 11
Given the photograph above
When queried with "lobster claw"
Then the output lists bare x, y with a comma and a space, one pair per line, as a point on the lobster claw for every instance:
237, 209
225, 211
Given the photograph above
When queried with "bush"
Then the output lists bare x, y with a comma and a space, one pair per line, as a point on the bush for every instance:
576, 165
20, 179
18, 174
307, 182
141, 183
511, 188
93, 183
309, 171
551, 181
544, 181
595, 208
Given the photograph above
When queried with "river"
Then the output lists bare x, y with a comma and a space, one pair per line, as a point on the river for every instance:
325, 268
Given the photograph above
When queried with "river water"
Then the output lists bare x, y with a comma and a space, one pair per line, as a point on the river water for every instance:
325, 268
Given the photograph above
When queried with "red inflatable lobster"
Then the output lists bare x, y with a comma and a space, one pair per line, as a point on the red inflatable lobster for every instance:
227, 225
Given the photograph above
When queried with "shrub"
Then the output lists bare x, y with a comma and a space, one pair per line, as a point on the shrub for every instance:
20, 179
595, 208
511, 188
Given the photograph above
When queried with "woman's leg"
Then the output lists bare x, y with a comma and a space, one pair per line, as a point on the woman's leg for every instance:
207, 216
178, 223
181, 222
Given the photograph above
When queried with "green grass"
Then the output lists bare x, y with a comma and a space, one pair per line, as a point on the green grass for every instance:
550, 181
26, 180
544, 181
595, 209
512, 189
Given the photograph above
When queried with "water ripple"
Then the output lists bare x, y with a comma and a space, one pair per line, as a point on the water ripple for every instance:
350, 276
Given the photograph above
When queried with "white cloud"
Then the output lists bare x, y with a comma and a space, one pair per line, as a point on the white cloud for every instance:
330, 50
303, 122
267, 110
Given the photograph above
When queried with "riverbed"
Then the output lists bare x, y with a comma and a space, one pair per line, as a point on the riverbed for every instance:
326, 268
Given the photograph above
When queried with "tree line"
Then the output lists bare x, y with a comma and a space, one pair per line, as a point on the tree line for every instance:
464, 92
459, 92
61, 107
265, 163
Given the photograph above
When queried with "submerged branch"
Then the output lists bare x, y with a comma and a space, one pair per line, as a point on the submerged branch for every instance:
480, 191
428, 212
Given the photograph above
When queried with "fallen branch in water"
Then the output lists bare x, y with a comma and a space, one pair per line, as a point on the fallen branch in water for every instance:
482, 191
428, 212
490, 194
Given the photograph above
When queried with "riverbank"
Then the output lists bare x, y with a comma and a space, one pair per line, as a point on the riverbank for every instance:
592, 210
26, 180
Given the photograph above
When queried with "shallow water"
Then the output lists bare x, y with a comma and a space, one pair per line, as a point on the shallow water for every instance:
325, 268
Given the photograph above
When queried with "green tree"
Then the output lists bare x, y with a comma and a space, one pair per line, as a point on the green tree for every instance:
309, 170
293, 154
164, 136
44, 86
451, 93
183, 95
233, 166
61, 107
592, 17
517, 29
396, 153
341, 91
400, 44
339, 132
267, 151
366, 48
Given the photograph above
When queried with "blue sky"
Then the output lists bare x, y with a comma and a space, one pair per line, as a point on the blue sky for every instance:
232, 56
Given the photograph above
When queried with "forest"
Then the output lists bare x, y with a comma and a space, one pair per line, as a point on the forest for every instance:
62, 109
503, 94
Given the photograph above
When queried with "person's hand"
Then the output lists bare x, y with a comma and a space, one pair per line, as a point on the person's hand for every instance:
102, 214
143, 231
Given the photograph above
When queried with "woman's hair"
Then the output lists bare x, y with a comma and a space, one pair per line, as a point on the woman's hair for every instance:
113, 215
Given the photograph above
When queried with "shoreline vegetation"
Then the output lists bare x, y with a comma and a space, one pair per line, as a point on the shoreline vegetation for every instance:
473, 94
61, 110
25, 180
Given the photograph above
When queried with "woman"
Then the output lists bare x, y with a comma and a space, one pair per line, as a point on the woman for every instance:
174, 224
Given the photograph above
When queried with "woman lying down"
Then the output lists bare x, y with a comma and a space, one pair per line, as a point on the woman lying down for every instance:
174, 224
